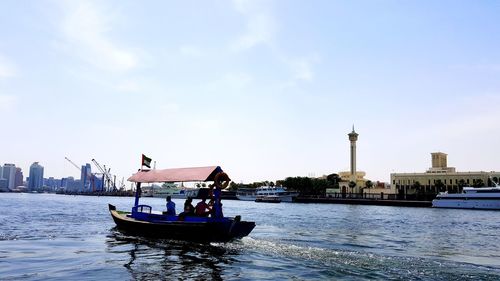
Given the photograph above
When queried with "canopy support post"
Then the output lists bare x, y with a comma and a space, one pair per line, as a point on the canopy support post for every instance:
217, 203
137, 194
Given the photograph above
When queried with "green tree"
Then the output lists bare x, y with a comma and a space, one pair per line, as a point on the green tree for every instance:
301, 184
439, 185
318, 186
334, 180
352, 185
416, 185
479, 183
368, 184
461, 184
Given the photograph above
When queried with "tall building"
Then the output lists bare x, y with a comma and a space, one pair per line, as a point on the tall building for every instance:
353, 137
9, 173
19, 178
86, 178
36, 176
347, 177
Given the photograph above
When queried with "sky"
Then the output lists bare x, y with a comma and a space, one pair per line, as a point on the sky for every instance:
265, 89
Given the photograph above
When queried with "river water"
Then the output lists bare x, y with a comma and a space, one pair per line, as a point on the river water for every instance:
60, 237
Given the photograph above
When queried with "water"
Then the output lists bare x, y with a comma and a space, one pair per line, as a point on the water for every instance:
58, 237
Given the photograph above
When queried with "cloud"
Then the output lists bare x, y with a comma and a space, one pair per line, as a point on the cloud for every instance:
86, 31
261, 28
206, 125
302, 67
7, 69
128, 86
231, 82
7, 103
260, 25
170, 107
190, 51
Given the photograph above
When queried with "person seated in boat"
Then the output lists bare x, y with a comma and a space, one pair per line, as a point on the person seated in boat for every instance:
202, 209
188, 209
170, 207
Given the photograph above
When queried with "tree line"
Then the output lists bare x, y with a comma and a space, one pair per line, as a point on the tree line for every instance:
304, 185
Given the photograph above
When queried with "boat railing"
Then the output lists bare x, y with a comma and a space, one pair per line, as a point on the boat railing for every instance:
141, 209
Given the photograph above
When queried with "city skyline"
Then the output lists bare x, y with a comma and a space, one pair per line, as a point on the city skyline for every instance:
228, 83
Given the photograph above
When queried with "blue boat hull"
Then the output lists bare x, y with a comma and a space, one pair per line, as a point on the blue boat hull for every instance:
196, 229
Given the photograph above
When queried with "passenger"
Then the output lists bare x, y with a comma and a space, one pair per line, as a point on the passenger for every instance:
202, 209
188, 207
170, 207
216, 210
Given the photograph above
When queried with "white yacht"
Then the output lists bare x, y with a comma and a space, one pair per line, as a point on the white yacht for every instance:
169, 189
487, 198
250, 194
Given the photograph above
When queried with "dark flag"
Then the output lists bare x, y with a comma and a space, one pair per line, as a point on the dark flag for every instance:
146, 161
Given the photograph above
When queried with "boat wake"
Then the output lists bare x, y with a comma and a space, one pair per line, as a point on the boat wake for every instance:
315, 262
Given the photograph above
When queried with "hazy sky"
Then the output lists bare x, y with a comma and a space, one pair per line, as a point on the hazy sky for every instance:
266, 89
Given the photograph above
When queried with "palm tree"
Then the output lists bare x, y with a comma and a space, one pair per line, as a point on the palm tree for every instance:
416, 185
352, 185
439, 185
479, 183
461, 184
369, 184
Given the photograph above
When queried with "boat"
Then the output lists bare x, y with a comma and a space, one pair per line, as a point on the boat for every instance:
250, 194
268, 199
169, 189
485, 198
143, 221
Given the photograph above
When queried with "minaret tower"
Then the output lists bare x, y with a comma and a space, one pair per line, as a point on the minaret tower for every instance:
353, 137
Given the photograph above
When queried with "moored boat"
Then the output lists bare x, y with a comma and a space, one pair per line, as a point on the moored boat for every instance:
143, 221
252, 194
268, 199
486, 198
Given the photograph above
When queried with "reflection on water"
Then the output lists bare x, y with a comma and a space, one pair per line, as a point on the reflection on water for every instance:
153, 259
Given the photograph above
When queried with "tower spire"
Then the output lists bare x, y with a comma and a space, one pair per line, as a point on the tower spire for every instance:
353, 137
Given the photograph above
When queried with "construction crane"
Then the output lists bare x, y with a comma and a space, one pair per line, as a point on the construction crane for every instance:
72, 163
89, 175
107, 175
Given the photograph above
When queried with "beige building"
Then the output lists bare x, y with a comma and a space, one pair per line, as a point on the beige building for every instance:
438, 178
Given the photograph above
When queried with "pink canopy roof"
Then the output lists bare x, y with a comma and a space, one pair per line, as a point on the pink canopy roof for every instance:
176, 175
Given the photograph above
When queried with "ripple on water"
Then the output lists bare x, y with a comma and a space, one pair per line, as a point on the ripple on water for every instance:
73, 238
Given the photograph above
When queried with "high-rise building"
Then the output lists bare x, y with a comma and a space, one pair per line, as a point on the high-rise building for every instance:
36, 176
9, 173
3, 185
86, 177
19, 178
